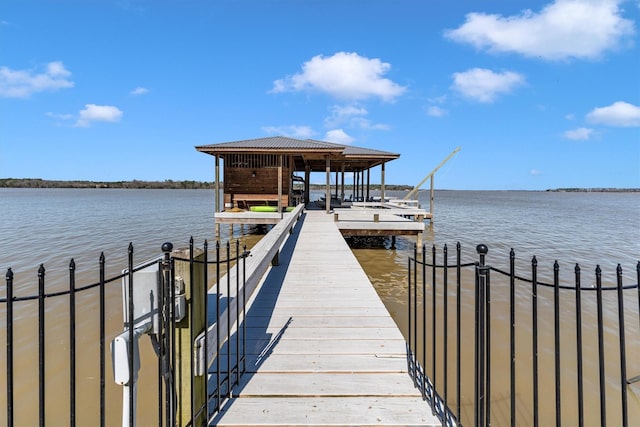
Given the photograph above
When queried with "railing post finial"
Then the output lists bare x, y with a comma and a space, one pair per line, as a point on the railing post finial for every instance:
482, 250
167, 247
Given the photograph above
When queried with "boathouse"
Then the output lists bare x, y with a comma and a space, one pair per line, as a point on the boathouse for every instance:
266, 171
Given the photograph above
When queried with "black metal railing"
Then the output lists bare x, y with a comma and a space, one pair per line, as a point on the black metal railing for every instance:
50, 316
482, 363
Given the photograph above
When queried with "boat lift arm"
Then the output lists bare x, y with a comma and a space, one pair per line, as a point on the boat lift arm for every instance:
417, 187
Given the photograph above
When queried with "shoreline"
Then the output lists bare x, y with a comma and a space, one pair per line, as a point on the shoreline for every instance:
205, 185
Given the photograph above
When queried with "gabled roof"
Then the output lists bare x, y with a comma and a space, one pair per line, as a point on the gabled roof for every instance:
305, 152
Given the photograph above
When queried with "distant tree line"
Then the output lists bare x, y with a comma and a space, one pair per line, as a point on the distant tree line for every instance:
138, 184
135, 184
596, 190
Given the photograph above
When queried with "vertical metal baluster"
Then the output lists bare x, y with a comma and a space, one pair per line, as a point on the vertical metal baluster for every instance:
217, 352
41, 346
556, 333
415, 323
192, 316
228, 320
409, 351
579, 347
102, 340
72, 343
481, 327
205, 301
9, 281
167, 344
603, 400
171, 355
237, 312
433, 325
244, 306
161, 341
458, 340
445, 356
132, 411
623, 348
424, 323
488, 345
476, 349
534, 323
512, 335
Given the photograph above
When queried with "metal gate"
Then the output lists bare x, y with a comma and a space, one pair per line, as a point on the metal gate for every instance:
190, 302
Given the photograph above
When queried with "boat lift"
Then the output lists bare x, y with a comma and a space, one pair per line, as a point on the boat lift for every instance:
430, 176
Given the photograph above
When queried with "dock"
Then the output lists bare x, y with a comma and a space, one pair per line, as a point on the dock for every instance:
322, 349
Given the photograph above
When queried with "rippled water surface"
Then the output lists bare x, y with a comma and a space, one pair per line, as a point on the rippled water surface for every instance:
51, 226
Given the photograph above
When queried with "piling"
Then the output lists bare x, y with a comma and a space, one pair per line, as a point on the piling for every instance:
189, 282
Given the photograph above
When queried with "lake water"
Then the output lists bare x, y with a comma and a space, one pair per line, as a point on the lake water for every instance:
51, 226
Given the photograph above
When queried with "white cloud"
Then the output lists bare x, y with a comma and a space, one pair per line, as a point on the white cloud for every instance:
338, 136
343, 113
362, 123
579, 134
563, 29
24, 83
535, 172
300, 132
98, 113
435, 111
619, 114
352, 116
139, 91
485, 85
344, 76
59, 116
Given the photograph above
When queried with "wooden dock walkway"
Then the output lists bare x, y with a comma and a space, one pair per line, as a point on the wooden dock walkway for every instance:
322, 349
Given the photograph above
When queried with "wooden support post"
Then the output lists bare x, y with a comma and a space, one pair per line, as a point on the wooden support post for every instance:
368, 182
342, 182
280, 185
393, 242
190, 327
419, 241
382, 196
335, 217
307, 178
376, 217
328, 186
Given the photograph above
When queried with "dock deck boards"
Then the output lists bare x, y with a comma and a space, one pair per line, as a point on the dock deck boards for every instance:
322, 349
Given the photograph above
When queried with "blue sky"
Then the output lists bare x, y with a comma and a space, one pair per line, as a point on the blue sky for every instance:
537, 95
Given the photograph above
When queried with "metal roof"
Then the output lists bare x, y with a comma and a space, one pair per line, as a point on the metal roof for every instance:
303, 151
276, 143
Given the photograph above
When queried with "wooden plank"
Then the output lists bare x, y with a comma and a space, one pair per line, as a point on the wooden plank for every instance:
329, 384
331, 346
327, 363
317, 411
318, 319
328, 333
